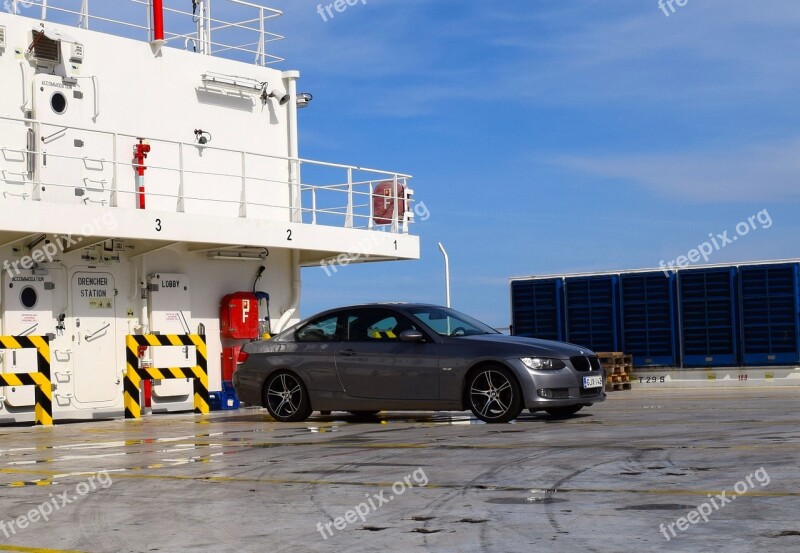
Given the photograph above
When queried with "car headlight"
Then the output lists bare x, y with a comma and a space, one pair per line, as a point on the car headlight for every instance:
543, 363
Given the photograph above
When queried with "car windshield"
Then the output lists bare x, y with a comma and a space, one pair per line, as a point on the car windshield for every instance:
447, 322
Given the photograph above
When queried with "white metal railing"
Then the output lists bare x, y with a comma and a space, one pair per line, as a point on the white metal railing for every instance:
322, 193
191, 29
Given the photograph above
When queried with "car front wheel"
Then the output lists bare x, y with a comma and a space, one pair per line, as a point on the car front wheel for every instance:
493, 394
286, 398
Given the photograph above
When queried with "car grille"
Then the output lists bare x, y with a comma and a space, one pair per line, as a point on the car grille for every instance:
585, 364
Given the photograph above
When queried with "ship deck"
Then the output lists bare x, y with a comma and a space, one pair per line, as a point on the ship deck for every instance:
605, 480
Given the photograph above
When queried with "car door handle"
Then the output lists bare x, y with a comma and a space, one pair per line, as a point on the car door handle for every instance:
348, 352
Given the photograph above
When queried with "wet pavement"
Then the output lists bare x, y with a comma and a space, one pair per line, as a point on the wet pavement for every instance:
604, 480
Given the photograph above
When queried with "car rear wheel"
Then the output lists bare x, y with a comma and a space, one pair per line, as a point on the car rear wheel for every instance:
286, 398
493, 394
564, 411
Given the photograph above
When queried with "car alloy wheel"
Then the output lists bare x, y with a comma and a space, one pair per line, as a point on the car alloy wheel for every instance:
286, 398
494, 395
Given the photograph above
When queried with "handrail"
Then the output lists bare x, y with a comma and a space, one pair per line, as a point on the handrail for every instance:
25, 100
206, 27
332, 203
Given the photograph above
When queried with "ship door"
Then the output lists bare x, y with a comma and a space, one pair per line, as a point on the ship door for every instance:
27, 311
63, 158
170, 312
94, 338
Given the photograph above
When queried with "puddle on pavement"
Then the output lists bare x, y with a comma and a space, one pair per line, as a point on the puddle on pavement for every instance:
525, 500
658, 507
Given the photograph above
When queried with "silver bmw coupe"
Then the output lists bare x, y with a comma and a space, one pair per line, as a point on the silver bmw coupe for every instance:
401, 357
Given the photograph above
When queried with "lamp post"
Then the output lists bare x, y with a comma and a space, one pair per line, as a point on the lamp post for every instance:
446, 273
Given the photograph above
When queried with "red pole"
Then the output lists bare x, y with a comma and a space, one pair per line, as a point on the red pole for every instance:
140, 152
158, 19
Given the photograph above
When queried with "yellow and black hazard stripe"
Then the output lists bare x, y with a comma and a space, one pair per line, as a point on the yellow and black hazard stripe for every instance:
383, 335
41, 378
134, 375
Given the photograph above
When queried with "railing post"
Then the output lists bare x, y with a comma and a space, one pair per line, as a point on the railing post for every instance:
294, 190
348, 220
243, 199
208, 27
313, 206
114, 202
84, 20
396, 206
150, 19
44, 10
371, 221
181, 186
261, 53
201, 26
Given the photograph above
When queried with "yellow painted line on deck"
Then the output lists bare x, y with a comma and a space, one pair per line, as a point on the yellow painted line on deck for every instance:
489, 487
4, 547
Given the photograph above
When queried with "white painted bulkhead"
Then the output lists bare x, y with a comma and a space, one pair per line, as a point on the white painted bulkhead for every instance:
71, 231
104, 298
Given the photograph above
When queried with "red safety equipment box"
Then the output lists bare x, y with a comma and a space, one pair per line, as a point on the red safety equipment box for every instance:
383, 199
230, 358
238, 316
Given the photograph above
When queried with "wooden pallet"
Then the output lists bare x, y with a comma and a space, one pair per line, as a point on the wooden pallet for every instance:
618, 368
617, 386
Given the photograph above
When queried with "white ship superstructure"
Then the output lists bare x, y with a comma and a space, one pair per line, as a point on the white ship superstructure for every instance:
143, 178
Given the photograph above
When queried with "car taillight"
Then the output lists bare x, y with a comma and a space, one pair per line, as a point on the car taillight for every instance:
243, 355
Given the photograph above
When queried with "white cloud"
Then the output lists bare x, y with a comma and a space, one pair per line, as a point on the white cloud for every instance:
766, 172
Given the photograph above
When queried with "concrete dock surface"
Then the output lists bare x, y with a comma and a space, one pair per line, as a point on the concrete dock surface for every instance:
676, 470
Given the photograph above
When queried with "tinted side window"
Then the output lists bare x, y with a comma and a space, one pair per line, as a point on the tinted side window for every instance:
372, 325
325, 329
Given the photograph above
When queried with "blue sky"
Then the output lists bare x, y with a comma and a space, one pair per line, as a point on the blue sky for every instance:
555, 136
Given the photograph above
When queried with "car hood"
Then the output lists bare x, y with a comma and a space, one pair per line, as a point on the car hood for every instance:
517, 345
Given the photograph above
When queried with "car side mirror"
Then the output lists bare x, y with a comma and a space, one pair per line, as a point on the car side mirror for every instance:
411, 336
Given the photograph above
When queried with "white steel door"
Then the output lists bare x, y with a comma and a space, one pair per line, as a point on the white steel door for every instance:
27, 311
59, 108
94, 338
170, 313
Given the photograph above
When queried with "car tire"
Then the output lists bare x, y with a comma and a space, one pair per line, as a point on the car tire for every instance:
561, 412
493, 394
286, 398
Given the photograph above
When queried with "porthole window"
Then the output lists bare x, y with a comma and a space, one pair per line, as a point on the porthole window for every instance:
59, 103
29, 297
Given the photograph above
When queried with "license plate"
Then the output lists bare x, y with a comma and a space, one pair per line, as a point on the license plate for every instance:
592, 381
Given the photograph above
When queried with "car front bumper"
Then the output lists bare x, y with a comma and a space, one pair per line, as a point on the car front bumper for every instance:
559, 388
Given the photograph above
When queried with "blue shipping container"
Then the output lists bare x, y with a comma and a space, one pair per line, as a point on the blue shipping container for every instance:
708, 317
592, 305
537, 308
649, 328
770, 311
